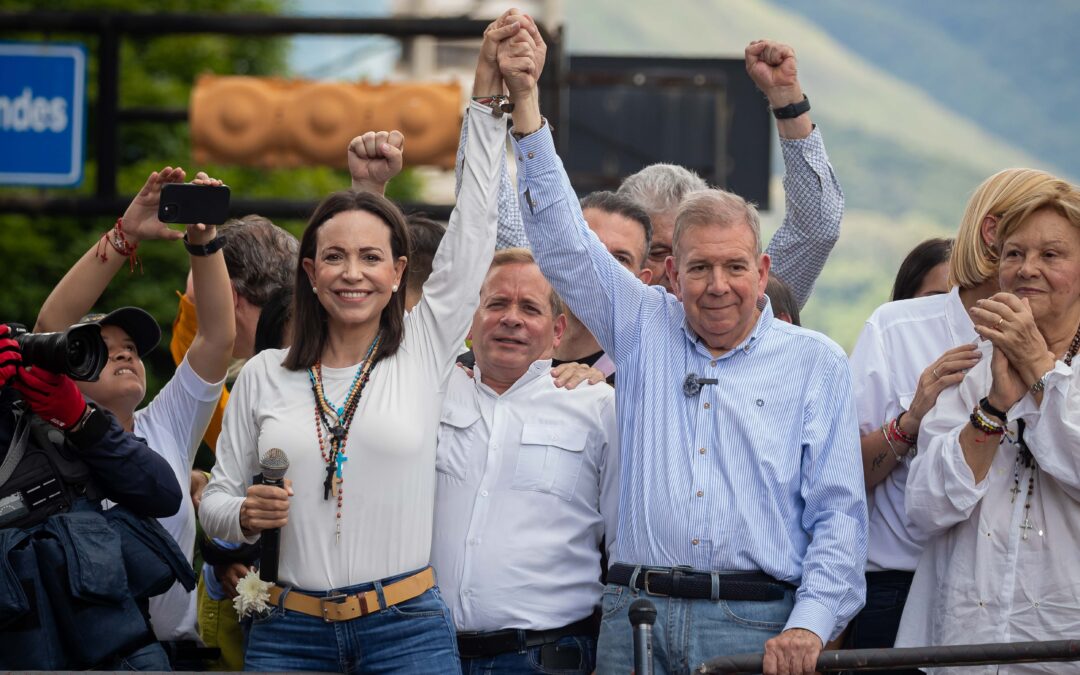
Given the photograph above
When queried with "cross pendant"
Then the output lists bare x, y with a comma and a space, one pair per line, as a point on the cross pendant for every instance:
329, 482
338, 432
1015, 491
1025, 526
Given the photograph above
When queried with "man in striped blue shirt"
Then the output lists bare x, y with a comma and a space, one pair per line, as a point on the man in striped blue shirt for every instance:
742, 513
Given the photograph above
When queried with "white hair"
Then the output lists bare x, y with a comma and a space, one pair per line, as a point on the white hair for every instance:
660, 188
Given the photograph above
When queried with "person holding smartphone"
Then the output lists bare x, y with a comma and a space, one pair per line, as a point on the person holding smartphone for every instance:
175, 420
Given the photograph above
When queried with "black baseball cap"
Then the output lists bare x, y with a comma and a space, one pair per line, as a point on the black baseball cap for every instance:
137, 323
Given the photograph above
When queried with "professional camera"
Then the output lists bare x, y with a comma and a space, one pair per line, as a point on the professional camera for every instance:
79, 352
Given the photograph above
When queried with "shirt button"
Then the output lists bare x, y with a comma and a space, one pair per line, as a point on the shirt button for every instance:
695, 542
706, 406
1036, 604
474, 542
712, 363
701, 451
483, 493
530, 155
700, 493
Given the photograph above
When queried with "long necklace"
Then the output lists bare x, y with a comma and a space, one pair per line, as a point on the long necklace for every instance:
1024, 458
337, 430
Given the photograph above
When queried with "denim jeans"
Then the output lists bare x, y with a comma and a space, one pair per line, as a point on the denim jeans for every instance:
877, 623
687, 632
415, 636
531, 660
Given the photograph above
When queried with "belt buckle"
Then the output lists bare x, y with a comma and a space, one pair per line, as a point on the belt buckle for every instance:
649, 590
337, 599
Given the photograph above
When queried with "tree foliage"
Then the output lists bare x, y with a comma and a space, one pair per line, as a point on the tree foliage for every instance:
155, 71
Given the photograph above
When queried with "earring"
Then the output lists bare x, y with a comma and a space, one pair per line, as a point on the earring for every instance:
314, 290
394, 289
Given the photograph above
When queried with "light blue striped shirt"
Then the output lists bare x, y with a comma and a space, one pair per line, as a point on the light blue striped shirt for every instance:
761, 471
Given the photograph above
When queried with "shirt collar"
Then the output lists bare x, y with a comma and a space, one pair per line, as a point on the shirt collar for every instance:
763, 324
958, 317
538, 368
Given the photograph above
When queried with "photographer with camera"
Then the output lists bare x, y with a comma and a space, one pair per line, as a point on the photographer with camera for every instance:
175, 420
74, 582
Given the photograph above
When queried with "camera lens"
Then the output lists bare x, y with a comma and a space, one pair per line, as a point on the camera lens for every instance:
168, 211
78, 352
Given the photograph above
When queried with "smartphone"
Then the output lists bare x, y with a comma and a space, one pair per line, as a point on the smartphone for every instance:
188, 203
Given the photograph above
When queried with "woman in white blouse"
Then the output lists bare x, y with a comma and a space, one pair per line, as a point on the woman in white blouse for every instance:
908, 353
355, 404
996, 484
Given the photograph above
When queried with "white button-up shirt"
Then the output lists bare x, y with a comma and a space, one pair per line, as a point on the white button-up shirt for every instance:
899, 341
527, 491
979, 580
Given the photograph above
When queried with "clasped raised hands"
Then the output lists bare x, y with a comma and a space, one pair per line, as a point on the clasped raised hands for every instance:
521, 57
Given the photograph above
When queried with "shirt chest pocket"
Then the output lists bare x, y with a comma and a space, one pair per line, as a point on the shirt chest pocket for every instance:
458, 432
549, 458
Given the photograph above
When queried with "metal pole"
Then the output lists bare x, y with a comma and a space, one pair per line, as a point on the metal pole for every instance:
914, 657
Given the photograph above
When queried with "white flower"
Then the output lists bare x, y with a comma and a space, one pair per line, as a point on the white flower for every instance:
252, 594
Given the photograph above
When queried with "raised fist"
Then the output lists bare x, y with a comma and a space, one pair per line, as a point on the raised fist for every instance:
773, 68
375, 158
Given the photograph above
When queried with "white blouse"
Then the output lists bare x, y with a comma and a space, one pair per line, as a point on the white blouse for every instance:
988, 574
899, 341
389, 478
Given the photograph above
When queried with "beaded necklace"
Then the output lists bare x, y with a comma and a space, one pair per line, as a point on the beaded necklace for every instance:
1024, 458
337, 433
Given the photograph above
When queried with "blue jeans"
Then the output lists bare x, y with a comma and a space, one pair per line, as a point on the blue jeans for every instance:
876, 625
532, 660
687, 632
415, 636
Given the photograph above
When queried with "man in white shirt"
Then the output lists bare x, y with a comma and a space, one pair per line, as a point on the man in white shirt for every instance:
527, 487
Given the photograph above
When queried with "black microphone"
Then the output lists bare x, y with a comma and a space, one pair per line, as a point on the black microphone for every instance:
642, 617
274, 463
691, 386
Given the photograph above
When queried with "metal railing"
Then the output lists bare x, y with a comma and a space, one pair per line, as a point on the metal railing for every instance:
913, 657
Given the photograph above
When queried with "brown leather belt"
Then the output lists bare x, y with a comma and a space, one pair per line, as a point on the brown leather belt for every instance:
342, 607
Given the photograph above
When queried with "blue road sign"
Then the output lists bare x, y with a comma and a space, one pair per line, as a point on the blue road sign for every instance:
42, 113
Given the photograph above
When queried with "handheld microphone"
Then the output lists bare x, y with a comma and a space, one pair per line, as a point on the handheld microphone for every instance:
274, 463
642, 617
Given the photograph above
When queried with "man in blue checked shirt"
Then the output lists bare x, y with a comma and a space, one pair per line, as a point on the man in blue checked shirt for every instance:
742, 513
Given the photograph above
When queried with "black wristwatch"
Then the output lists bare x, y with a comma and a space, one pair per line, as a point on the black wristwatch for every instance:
792, 110
215, 245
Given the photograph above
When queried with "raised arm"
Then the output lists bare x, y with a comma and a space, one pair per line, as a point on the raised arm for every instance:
486, 84
814, 203
608, 299
87, 279
440, 321
211, 349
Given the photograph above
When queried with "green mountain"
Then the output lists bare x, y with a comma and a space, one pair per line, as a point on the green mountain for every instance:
907, 159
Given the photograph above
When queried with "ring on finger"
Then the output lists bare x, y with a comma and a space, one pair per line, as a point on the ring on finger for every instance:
934, 373
998, 324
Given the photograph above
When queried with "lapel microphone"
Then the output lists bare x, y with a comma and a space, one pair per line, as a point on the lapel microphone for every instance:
691, 386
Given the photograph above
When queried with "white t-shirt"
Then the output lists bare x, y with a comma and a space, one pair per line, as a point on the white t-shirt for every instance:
899, 341
389, 478
527, 488
173, 426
